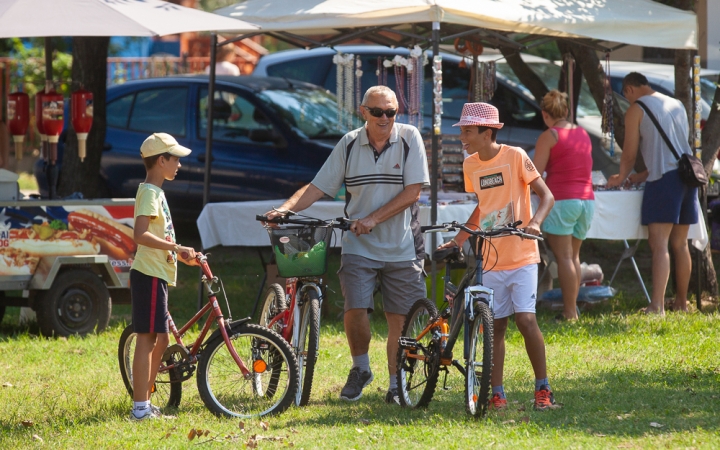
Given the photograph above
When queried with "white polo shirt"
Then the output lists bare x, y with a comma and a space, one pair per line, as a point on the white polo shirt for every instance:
372, 184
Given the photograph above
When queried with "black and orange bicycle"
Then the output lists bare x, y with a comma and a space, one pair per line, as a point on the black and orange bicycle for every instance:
243, 370
428, 336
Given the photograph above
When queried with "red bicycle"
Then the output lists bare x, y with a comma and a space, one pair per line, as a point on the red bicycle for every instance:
244, 370
301, 249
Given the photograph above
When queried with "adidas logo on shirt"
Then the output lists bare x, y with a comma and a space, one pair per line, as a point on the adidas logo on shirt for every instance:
397, 166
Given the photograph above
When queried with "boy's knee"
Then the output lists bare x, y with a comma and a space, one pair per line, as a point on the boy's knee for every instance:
500, 325
526, 322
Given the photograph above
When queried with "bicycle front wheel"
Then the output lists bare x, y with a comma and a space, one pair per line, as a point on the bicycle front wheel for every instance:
167, 390
224, 389
479, 363
308, 344
417, 370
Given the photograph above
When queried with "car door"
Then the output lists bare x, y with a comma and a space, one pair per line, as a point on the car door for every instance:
251, 158
131, 118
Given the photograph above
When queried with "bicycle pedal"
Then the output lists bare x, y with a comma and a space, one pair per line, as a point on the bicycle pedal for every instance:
407, 343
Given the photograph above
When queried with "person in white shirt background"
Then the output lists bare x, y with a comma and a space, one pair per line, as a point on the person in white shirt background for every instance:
224, 64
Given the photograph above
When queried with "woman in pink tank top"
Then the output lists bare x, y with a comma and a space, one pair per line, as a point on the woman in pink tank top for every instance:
564, 152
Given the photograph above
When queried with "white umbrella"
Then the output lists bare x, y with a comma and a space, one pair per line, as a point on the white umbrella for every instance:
43, 18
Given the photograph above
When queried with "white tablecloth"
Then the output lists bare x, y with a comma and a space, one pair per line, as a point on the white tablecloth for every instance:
617, 216
234, 224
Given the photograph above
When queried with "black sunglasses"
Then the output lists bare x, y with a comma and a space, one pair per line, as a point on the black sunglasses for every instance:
378, 112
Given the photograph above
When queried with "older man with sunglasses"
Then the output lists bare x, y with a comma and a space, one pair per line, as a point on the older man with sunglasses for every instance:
383, 166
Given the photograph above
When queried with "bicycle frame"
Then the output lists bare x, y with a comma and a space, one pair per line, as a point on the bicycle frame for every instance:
290, 328
449, 334
216, 314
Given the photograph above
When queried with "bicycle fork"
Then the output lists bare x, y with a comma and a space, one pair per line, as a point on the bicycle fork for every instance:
473, 293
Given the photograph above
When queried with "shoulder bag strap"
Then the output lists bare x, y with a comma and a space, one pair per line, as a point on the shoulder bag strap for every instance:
657, 125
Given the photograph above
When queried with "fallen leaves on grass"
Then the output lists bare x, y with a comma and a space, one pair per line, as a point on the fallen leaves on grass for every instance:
525, 419
264, 425
241, 425
359, 430
7, 385
508, 422
253, 441
37, 438
656, 425
624, 416
365, 421
27, 423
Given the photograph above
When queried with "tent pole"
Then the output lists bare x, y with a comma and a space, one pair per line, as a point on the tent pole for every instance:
209, 132
208, 137
436, 128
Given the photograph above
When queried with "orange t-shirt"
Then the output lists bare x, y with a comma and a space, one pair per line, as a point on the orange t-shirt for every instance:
502, 185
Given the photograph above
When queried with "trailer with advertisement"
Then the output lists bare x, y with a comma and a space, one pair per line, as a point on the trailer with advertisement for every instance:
68, 260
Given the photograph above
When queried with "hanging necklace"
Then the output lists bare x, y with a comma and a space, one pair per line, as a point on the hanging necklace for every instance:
557, 122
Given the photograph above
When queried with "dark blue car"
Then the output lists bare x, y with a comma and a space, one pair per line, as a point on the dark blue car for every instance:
270, 137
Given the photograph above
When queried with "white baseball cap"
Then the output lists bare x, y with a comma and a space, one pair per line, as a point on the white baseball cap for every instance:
159, 143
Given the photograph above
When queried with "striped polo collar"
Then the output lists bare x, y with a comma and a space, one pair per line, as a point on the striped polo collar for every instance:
394, 137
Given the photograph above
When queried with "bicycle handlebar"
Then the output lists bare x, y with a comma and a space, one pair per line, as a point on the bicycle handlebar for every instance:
341, 222
507, 230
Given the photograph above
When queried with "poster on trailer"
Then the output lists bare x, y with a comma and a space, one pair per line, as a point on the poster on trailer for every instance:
27, 233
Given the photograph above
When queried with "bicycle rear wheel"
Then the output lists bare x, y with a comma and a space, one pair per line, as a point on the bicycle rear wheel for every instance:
167, 390
273, 304
308, 344
224, 389
479, 363
417, 378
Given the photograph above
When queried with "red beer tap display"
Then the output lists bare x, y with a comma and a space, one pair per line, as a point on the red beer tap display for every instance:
18, 109
39, 123
82, 117
52, 121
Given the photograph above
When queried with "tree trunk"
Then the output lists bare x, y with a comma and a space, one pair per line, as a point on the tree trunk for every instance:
577, 82
89, 70
683, 84
525, 74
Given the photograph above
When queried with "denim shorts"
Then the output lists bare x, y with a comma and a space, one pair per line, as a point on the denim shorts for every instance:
570, 217
669, 200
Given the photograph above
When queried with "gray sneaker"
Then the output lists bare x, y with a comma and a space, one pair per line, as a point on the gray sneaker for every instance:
355, 383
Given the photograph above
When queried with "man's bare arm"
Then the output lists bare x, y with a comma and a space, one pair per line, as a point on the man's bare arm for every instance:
630, 147
401, 202
301, 200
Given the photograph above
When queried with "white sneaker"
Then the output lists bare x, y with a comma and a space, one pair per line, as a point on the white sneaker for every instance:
145, 414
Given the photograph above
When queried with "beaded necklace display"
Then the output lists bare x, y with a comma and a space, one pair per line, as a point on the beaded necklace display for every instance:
607, 126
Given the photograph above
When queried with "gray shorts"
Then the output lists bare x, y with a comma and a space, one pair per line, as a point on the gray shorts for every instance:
401, 283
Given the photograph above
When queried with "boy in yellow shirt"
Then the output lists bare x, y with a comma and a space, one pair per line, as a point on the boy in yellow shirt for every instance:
154, 267
502, 176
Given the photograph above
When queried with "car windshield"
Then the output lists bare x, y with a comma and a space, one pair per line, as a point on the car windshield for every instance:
311, 112
707, 88
549, 73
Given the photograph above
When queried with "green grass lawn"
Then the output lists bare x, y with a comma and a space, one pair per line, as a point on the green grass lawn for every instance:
625, 381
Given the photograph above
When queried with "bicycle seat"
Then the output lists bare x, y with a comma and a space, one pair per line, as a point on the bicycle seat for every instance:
449, 254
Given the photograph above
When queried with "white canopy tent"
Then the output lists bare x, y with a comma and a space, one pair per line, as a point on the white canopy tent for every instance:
637, 22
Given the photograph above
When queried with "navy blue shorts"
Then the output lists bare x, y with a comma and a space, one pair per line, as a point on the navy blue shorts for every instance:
149, 303
669, 200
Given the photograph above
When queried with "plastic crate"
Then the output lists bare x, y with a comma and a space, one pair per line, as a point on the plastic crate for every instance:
301, 251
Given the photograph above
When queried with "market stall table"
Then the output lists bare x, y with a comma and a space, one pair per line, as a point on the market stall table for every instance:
617, 217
